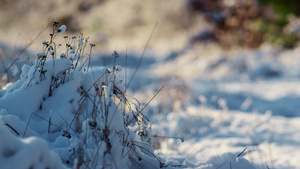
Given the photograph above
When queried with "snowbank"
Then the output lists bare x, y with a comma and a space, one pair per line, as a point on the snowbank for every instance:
82, 113
31, 152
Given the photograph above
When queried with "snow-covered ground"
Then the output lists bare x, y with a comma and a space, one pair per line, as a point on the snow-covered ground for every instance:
218, 109
248, 101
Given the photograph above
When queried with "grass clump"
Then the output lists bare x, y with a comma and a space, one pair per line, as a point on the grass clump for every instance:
85, 107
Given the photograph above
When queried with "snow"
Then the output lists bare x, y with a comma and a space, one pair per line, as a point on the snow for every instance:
72, 50
214, 112
212, 132
31, 152
80, 42
79, 114
62, 29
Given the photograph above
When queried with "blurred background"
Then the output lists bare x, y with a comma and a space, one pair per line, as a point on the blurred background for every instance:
214, 40
118, 24
214, 58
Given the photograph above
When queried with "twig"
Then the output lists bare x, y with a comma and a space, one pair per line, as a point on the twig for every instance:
189, 154
125, 70
8, 67
152, 98
221, 165
141, 58
13, 129
149, 153
30, 43
44, 120
27, 124
242, 152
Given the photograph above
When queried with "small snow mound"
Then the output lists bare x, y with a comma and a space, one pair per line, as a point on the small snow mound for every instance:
226, 160
26, 153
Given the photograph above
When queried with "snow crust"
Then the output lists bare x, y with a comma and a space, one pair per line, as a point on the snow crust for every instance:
31, 152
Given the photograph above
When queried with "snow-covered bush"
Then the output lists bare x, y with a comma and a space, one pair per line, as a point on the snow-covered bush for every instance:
82, 112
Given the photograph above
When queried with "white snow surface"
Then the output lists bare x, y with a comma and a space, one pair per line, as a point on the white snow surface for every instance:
238, 112
31, 152
76, 113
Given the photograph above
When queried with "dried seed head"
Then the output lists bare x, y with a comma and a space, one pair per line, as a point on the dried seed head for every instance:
103, 85
62, 29
62, 56
55, 23
45, 42
92, 124
66, 134
41, 55
118, 68
71, 101
72, 49
115, 54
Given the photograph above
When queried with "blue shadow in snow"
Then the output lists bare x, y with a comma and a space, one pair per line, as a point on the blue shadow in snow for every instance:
132, 61
288, 106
